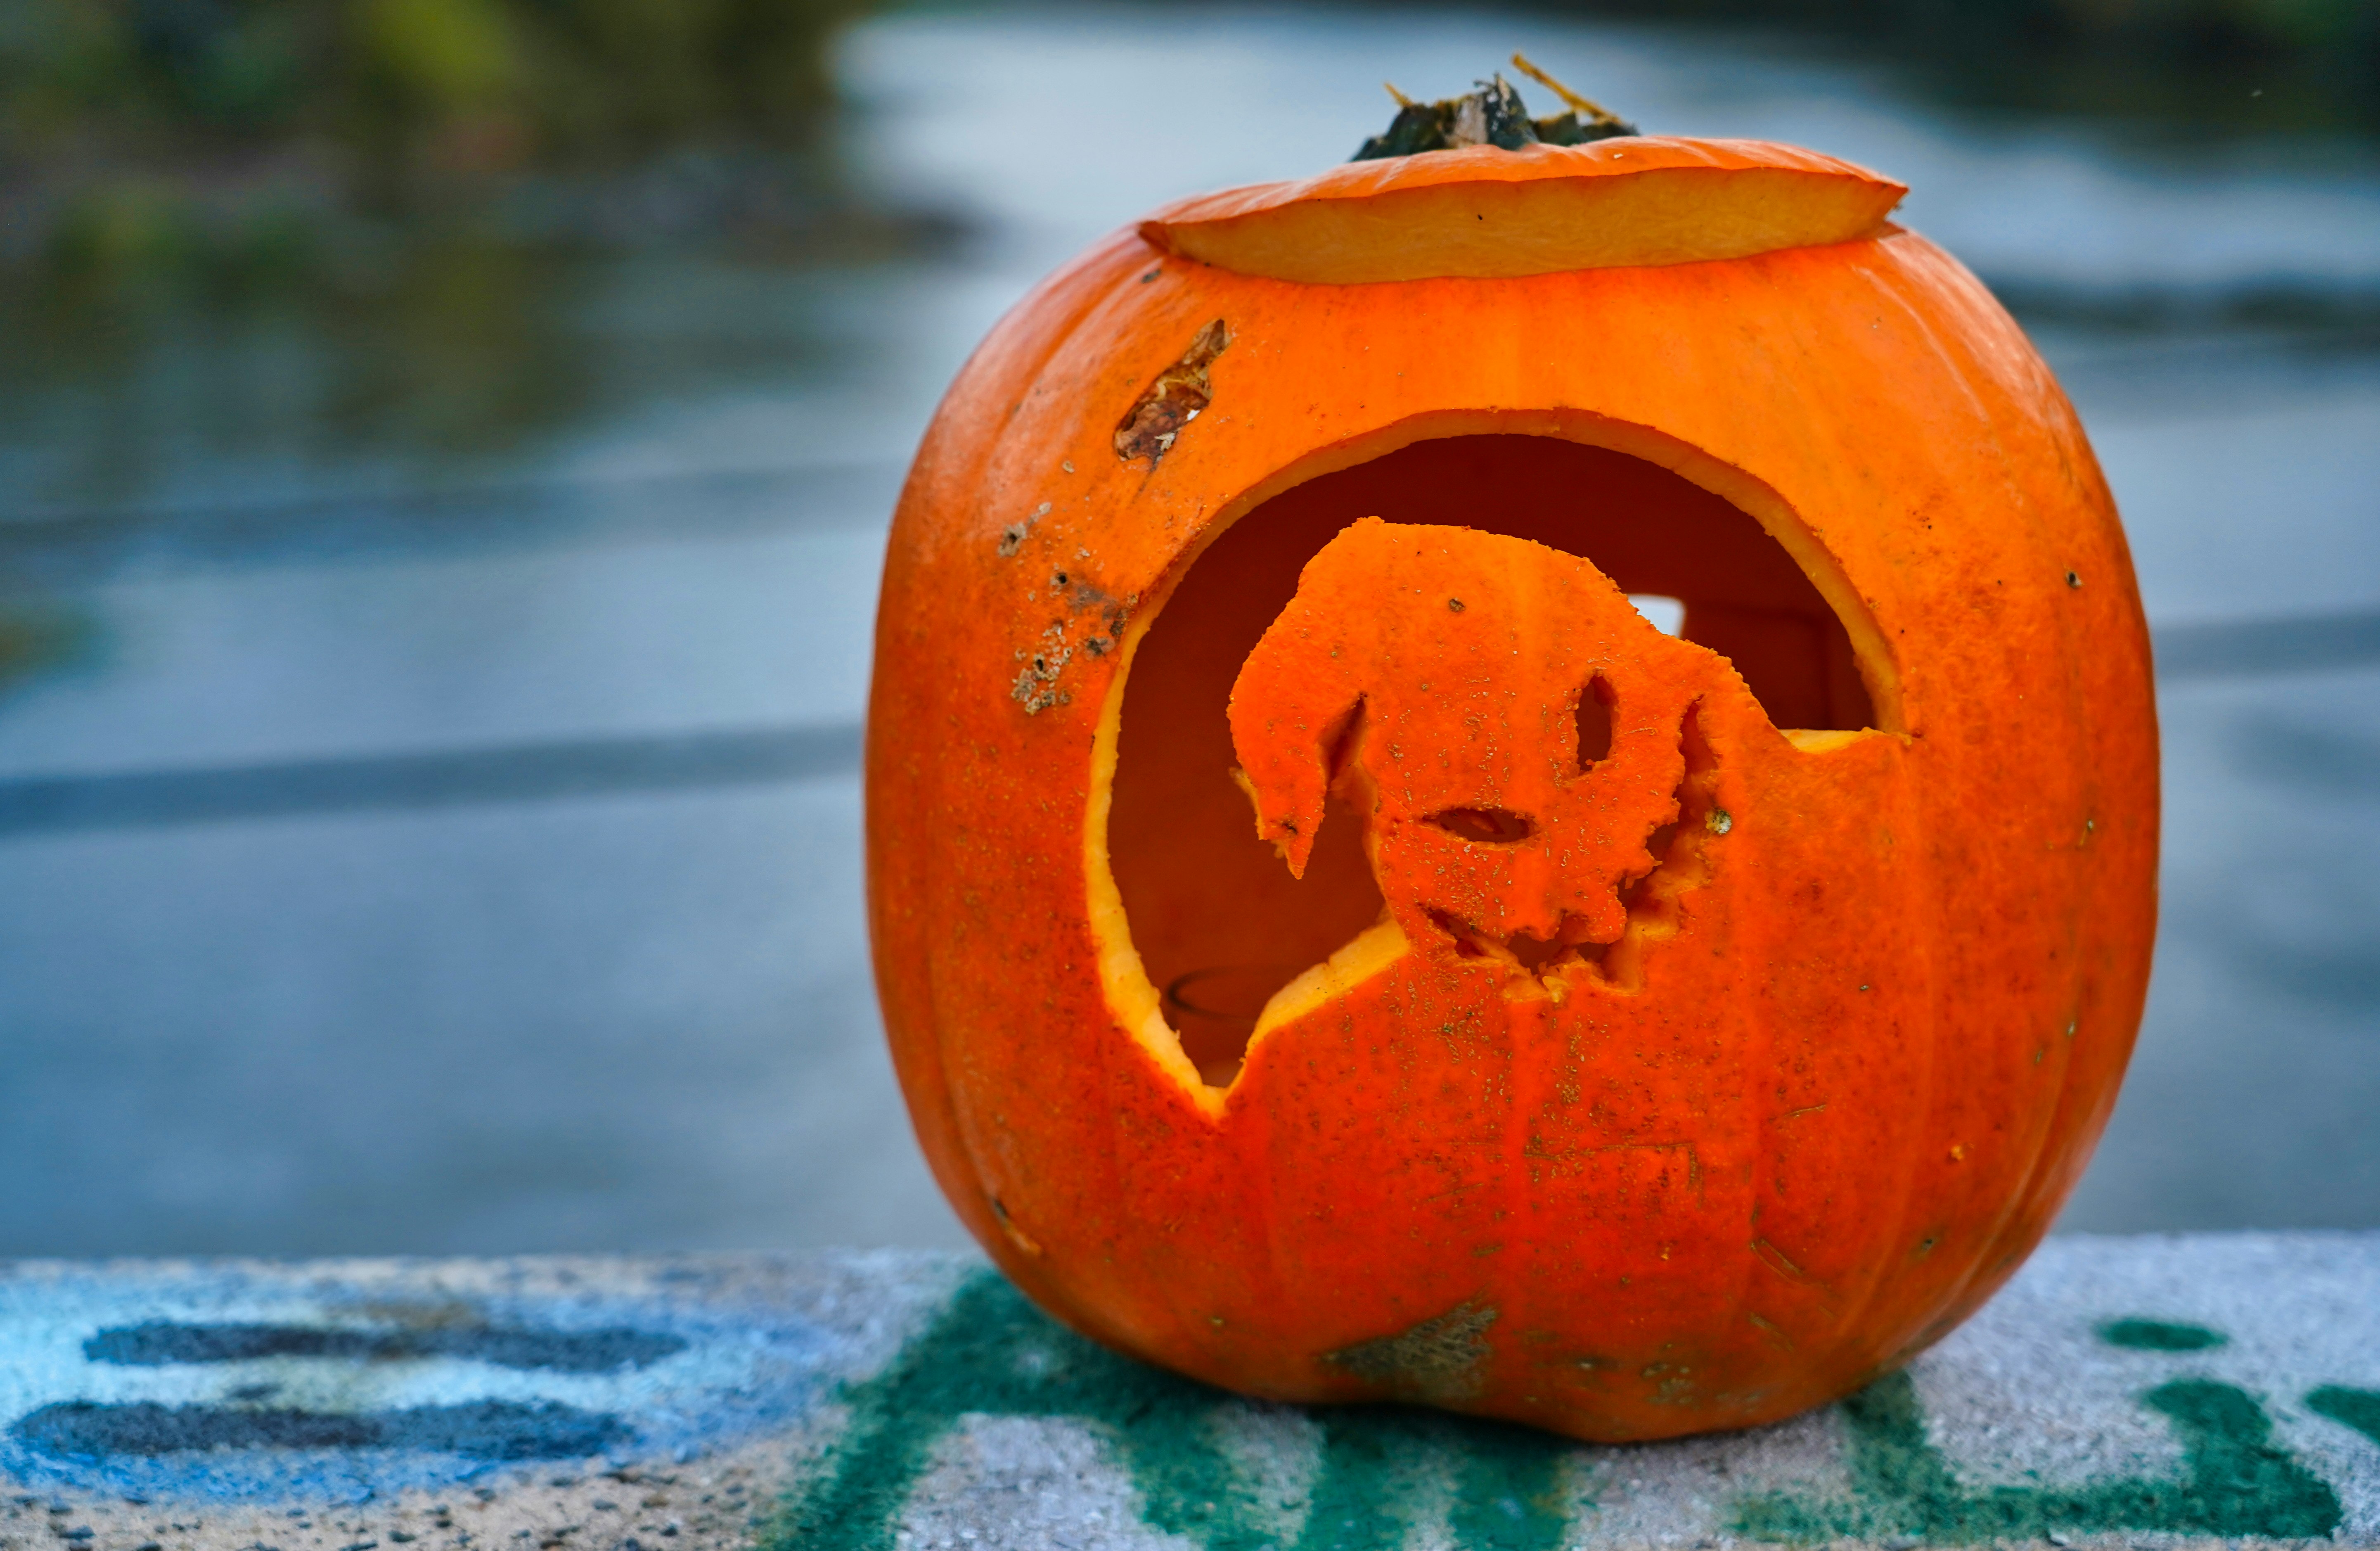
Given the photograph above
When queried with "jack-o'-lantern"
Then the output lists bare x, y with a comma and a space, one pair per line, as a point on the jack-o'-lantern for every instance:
1335, 946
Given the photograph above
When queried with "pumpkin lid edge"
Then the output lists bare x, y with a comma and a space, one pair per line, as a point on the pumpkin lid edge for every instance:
1485, 213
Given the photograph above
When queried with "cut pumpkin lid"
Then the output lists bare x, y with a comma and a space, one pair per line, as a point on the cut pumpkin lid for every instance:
1485, 213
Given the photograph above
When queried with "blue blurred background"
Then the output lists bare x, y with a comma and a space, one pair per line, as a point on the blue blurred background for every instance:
445, 448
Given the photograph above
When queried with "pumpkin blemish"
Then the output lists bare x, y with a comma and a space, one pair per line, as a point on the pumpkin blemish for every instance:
1436, 1360
1036, 686
1180, 393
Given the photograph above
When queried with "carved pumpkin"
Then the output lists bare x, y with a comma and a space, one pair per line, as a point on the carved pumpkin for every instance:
1332, 945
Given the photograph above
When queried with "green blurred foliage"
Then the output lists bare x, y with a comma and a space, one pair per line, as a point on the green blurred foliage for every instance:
2254, 65
2162, 29
302, 229
579, 75
37, 636
393, 102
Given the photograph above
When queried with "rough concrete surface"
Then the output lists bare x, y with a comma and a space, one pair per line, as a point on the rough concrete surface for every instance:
2134, 1392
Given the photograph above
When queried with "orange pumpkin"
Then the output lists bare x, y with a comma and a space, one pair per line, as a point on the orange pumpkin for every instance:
1343, 958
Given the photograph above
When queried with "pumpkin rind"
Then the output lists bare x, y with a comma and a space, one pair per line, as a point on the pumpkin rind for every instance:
1844, 1104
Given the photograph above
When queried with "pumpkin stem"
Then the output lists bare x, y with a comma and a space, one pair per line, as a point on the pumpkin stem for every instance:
1492, 115
1596, 113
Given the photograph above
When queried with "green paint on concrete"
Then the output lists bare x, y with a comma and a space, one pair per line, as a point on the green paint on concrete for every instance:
1509, 1482
2156, 1334
1512, 1493
2236, 1482
2359, 1409
991, 1353
1364, 1494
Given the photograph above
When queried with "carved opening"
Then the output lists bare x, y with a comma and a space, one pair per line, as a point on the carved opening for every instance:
1594, 717
1214, 915
1487, 827
1215, 1012
1665, 614
1680, 862
1532, 955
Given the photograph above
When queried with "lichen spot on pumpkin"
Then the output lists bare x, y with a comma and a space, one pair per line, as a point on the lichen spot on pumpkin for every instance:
1013, 537
1036, 686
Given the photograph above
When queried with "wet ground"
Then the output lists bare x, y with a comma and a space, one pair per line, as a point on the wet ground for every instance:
428, 754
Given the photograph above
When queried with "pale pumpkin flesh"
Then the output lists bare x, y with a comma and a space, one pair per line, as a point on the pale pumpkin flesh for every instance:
1483, 213
1499, 229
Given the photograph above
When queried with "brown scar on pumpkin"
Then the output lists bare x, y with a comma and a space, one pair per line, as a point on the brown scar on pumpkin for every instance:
1149, 428
1107, 611
1111, 611
1016, 1235
1440, 1360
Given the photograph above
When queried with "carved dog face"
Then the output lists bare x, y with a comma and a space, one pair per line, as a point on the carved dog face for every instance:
1515, 731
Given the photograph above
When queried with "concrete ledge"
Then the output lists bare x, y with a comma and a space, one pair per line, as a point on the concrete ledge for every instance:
2135, 1392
